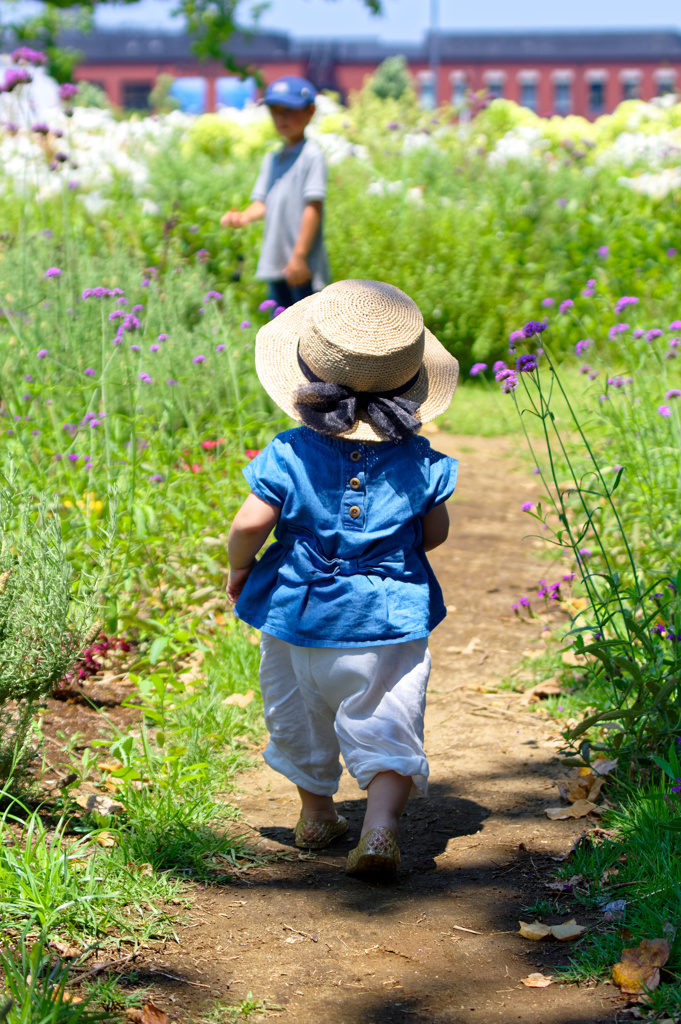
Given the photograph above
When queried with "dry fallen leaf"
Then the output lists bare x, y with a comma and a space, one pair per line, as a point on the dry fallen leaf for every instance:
570, 658
548, 688
65, 950
579, 809
602, 766
149, 1014
534, 931
109, 766
105, 839
568, 931
574, 605
241, 699
97, 803
538, 980
639, 968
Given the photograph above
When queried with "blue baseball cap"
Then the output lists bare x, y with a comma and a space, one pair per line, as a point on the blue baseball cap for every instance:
290, 91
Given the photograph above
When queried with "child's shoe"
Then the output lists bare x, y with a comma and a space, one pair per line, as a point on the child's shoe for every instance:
315, 835
376, 856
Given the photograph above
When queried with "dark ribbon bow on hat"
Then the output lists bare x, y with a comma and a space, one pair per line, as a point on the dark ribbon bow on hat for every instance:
333, 408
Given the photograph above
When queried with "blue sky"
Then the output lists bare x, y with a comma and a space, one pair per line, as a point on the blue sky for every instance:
408, 19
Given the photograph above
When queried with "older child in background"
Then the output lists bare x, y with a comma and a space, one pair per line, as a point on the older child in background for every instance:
289, 193
345, 597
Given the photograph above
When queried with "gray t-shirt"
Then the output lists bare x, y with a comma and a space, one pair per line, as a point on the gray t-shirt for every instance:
289, 179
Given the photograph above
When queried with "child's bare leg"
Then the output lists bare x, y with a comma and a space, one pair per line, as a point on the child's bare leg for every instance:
316, 807
387, 796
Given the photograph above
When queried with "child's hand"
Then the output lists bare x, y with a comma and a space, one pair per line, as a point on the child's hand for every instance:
232, 219
297, 271
236, 581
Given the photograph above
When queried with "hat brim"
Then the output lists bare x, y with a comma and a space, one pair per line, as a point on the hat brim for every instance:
276, 363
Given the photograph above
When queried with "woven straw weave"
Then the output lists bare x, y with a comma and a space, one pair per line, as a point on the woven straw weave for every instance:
366, 335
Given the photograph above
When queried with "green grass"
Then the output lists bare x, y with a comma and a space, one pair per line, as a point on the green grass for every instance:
647, 857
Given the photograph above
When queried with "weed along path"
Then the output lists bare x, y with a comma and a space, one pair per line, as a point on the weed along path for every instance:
441, 946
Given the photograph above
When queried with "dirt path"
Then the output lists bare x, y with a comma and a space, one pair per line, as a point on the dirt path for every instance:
439, 947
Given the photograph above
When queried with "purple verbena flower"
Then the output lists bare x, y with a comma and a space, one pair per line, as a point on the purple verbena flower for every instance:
546, 303
94, 423
671, 253
638, 333
40, 128
533, 327
565, 305
137, 308
583, 345
526, 506
25, 55
561, 202
67, 91
116, 314
526, 363
156, 478
604, 252
220, 348
245, 324
72, 457
674, 393
134, 348
675, 325
145, 377
664, 410
145, 284
171, 382
212, 295
587, 293
42, 353
267, 304
15, 77
653, 334
514, 337
477, 368
626, 300
585, 553
162, 337
619, 382
617, 329
154, 348
199, 359
89, 372
568, 577
52, 272
585, 368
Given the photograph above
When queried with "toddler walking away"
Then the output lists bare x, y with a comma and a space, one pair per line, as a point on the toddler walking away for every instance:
345, 597
289, 193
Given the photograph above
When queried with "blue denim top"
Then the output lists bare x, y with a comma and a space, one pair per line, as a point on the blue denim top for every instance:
347, 568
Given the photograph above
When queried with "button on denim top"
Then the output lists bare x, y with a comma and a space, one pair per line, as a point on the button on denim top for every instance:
347, 568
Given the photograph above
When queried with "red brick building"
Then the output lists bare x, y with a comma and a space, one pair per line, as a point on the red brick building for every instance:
585, 73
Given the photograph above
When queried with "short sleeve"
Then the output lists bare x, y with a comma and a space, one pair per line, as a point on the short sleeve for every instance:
442, 474
267, 474
259, 193
314, 188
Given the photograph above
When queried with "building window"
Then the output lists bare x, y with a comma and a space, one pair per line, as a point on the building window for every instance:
562, 98
494, 83
666, 81
596, 97
459, 90
425, 84
136, 95
528, 95
190, 93
630, 89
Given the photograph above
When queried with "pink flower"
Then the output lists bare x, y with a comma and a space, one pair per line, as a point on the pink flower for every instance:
664, 410
252, 452
527, 506
53, 272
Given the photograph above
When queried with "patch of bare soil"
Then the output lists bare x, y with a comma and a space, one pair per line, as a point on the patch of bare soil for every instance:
441, 946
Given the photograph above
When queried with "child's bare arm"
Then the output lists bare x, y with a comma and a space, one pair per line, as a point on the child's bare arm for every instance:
250, 528
240, 218
297, 270
435, 527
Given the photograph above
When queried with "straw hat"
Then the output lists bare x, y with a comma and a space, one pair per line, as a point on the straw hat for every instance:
365, 335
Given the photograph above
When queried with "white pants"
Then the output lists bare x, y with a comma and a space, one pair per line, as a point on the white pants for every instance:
366, 703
